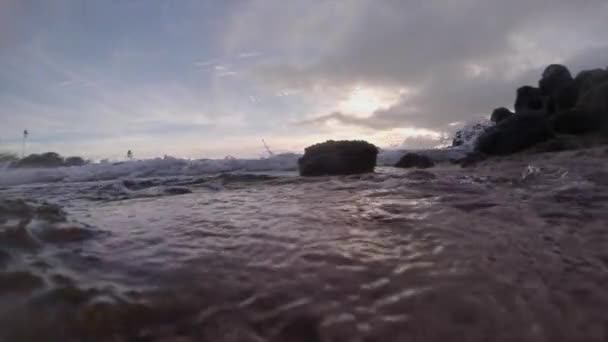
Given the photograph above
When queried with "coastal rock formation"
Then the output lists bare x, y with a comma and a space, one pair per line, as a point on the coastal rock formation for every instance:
415, 160
338, 158
515, 134
529, 100
561, 104
500, 114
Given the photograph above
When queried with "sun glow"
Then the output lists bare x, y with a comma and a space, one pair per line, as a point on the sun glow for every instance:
365, 101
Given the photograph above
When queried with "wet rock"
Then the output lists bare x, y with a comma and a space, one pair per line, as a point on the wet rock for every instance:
467, 135
575, 121
74, 161
564, 98
500, 114
19, 282
338, 158
589, 79
554, 77
529, 100
595, 104
515, 134
415, 160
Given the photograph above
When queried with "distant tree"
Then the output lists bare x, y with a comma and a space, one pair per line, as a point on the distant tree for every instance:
6, 157
74, 161
129, 154
48, 159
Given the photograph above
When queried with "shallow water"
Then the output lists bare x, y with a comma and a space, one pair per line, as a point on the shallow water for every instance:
512, 250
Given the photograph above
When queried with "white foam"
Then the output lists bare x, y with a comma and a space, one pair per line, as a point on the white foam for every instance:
159, 167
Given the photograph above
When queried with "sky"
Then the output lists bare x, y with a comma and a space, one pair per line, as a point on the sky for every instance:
212, 78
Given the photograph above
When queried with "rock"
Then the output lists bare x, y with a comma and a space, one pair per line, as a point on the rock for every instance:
554, 77
588, 79
564, 98
415, 160
468, 134
574, 121
595, 104
177, 190
338, 158
19, 282
515, 134
529, 100
499, 114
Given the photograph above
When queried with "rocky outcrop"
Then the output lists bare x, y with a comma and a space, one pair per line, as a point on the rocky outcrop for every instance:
529, 100
500, 114
561, 104
338, 158
411, 160
515, 134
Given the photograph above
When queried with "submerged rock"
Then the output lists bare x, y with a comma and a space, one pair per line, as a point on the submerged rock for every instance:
595, 104
515, 134
338, 158
415, 160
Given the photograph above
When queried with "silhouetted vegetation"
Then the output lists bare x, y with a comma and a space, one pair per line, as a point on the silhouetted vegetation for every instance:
47, 160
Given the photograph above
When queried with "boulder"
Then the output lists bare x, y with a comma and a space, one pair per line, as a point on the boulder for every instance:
595, 103
515, 134
338, 158
415, 160
554, 77
74, 161
529, 100
563, 98
575, 121
499, 114
588, 79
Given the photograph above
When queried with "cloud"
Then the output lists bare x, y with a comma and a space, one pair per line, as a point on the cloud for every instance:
462, 59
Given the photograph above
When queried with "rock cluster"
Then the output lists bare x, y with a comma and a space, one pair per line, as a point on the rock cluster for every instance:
561, 104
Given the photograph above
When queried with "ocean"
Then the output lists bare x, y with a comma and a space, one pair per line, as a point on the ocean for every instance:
513, 249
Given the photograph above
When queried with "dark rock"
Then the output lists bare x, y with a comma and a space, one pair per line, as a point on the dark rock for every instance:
139, 185
338, 158
554, 77
588, 79
415, 160
499, 114
595, 104
575, 121
564, 98
51, 213
529, 100
515, 134
467, 134
64, 234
